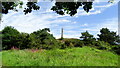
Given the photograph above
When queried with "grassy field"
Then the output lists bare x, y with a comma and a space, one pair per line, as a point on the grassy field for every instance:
85, 56
0, 58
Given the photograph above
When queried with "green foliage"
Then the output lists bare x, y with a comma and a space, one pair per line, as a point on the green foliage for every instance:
102, 45
62, 45
87, 38
31, 6
9, 37
38, 39
23, 40
116, 49
108, 36
43, 39
73, 43
85, 56
6, 6
60, 8
70, 8
0, 41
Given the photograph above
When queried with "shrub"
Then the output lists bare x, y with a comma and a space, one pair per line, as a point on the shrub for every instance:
102, 45
74, 43
116, 49
43, 39
62, 45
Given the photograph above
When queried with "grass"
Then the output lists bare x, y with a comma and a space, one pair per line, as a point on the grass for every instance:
85, 56
0, 59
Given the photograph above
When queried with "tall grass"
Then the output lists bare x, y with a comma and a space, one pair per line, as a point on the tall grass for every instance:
0, 59
85, 56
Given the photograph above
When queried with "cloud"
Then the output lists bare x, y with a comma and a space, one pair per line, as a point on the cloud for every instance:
48, 19
96, 9
105, 6
84, 25
89, 13
74, 22
30, 22
111, 24
98, 1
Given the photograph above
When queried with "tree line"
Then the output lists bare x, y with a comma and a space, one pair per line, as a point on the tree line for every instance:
42, 39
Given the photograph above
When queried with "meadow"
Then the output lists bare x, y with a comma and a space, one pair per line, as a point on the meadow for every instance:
85, 56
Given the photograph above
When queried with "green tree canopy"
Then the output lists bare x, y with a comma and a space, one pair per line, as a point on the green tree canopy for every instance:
9, 36
70, 7
23, 40
43, 39
108, 36
86, 36
6, 6
60, 8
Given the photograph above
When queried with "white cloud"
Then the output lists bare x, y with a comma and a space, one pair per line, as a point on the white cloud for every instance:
96, 9
30, 22
74, 22
98, 1
85, 25
94, 29
89, 13
111, 24
105, 6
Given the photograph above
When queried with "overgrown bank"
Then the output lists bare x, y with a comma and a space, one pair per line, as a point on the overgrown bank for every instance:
85, 56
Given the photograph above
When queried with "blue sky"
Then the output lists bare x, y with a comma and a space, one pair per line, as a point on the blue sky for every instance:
102, 15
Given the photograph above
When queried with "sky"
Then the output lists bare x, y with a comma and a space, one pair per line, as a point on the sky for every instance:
102, 15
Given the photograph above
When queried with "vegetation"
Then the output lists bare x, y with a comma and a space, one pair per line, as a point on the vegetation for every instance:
9, 37
108, 36
41, 48
60, 8
87, 38
42, 39
38, 39
85, 56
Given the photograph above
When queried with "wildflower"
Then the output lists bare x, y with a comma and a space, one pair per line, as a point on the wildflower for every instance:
14, 48
34, 50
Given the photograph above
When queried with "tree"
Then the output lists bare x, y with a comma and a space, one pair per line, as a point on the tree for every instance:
9, 37
6, 6
23, 40
88, 38
70, 7
43, 39
108, 36
60, 7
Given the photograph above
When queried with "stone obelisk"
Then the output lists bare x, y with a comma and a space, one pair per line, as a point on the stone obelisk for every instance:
62, 33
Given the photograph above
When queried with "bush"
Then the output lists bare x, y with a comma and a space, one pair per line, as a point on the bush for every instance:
62, 45
102, 45
116, 49
74, 43
43, 39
